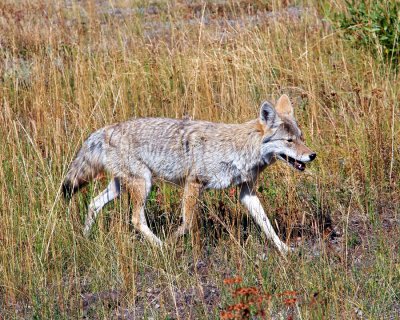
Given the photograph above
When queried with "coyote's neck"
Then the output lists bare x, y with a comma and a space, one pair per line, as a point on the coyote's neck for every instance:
249, 140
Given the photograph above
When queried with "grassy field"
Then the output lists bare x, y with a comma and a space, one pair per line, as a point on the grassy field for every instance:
70, 67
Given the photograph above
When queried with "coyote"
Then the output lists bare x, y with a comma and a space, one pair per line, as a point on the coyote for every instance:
198, 155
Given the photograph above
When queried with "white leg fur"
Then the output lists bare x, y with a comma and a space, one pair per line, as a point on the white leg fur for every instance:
145, 230
249, 199
112, 191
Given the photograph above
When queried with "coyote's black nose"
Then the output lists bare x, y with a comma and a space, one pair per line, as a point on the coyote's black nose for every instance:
312, 156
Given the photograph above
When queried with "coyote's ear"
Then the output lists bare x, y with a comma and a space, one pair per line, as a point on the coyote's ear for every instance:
267, 114
284, 106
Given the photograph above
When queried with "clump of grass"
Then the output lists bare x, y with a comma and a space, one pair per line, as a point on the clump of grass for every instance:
375, 25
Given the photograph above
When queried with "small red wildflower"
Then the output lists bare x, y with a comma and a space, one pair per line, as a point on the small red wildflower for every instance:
245, 291
226, 315
232, 280
289, 302
288, 293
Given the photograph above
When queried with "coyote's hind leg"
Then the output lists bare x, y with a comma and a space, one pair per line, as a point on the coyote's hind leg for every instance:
112, 191
139, 188
191, 196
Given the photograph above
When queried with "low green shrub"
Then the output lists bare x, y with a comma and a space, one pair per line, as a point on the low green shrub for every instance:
375, 25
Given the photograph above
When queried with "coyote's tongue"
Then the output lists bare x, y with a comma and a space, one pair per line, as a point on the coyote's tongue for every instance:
299, 166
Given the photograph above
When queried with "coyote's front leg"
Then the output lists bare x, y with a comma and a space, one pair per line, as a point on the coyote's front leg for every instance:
250, 200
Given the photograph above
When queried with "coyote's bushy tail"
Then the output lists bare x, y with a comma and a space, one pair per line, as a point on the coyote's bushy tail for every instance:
88, 163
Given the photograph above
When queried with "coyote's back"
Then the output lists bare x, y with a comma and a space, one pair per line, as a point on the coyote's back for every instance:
215, 154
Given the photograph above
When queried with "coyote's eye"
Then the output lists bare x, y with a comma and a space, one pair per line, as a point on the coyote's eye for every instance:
289, 140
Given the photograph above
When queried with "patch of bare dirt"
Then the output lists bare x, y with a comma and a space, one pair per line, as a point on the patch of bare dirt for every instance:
174, 300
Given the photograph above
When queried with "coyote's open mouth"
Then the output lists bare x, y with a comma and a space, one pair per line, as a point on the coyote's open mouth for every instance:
293, 162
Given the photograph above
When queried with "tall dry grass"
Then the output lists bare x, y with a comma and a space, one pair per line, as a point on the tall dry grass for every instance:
71, 67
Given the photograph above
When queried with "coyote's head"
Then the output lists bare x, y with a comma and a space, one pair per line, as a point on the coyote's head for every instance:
283, 138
